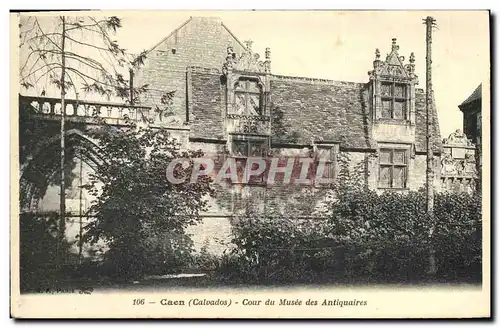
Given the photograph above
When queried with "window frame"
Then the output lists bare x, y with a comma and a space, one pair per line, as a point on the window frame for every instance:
391, 165
393, 100
238, 158
247, 93
330, 164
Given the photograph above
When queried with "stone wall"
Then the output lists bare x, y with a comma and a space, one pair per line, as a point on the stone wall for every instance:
201, 41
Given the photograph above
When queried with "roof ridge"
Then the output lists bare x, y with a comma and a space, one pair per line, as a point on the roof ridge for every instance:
313, 79
186, 22
476, 94
169, 35
232, 34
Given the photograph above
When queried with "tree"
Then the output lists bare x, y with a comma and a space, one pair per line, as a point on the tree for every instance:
58, 55
137, 210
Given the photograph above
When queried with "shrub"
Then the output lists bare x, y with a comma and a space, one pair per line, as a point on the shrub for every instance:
38, 248
364, 235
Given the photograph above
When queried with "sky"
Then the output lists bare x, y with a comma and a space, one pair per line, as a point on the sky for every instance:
340, 45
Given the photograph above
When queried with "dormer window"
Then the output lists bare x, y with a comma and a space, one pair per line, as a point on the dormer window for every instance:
247, 98
392, 88
394, 99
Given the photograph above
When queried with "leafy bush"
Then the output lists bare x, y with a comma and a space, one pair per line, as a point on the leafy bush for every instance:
364, 235
138, 212
38, 247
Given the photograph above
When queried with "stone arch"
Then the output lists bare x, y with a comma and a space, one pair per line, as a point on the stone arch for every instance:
39, 169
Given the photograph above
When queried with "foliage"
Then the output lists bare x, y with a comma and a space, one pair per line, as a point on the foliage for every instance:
363, 235
38, 247
83, 47
140, 214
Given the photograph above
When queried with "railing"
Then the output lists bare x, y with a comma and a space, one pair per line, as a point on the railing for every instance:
86, 108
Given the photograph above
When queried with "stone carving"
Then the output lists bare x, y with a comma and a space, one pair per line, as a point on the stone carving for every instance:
248, 124
458, 167
458, 138
469, 164
393, 66
447, 165
247, 61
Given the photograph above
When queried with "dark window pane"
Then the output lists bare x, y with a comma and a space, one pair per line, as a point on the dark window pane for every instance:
247, 98
256, 149
399, 177
240, 148
385, 177
399, 110
253, 87
386, 90
239, 106
385, 156
254, 105
399, 91
399, 157
240, 169
329, 171
386, 108
325, 154
239, 86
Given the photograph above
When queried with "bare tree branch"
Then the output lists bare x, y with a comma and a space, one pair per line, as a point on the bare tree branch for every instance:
43, 33
92, 78
41, 36
86, 44
43, 75
79, 26
39, 69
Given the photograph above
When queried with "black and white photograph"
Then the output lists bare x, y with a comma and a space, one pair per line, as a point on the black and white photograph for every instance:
250, 164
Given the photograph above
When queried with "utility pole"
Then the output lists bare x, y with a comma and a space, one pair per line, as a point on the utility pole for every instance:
430, 23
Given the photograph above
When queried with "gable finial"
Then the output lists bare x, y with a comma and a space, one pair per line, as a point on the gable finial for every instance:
230, 60
395, 47
267, 62
247, 60
248, 45
393, 66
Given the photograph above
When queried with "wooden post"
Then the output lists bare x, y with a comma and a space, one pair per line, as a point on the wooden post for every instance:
430, 23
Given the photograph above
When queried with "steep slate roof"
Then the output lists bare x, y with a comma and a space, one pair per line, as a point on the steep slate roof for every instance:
476, 95
304, 109
321, 110
421, 121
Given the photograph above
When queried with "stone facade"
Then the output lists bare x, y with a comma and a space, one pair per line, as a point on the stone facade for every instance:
228, 103
227, 95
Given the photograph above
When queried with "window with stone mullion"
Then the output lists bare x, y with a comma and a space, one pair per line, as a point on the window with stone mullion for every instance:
241, 150
393, 168
393, 96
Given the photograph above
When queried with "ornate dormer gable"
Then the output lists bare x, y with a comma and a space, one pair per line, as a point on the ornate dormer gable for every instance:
247, 82
392, 87
248, 61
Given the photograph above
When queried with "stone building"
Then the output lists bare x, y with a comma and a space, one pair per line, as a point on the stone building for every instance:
229, 103
471, 110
